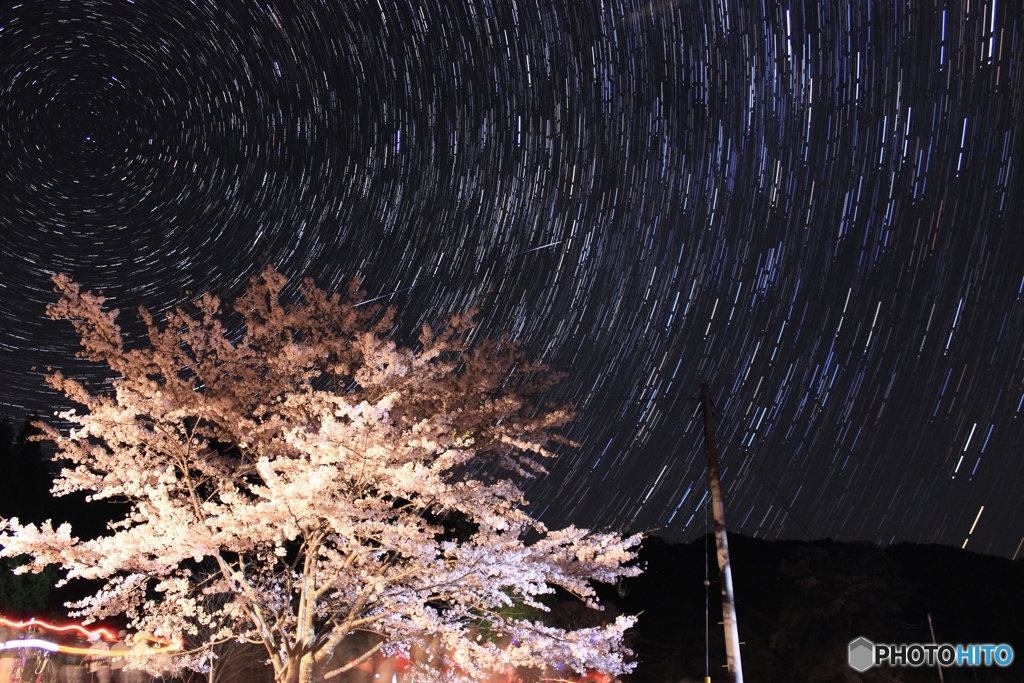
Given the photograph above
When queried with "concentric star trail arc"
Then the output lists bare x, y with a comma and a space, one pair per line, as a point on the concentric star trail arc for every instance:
813, 206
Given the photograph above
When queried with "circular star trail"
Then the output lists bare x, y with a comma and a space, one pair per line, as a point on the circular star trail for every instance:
813, 206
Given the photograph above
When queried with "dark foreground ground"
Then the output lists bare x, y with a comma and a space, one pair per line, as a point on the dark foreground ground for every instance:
799, 604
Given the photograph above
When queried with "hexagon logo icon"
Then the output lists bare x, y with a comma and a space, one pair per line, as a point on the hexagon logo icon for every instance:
862, 655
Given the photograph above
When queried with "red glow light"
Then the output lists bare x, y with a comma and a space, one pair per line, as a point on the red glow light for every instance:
163, 645
104, 633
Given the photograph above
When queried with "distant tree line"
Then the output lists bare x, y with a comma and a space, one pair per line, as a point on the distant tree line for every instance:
26, 475
25, 494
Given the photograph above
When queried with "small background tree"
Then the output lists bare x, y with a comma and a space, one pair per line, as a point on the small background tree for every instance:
25, 494
337, 484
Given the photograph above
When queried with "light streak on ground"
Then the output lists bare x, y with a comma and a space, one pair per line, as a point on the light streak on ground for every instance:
163, 645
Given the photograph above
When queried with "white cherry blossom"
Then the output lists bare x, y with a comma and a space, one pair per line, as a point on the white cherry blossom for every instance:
305, 478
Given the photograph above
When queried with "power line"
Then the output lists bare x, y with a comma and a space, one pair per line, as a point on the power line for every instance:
761, 474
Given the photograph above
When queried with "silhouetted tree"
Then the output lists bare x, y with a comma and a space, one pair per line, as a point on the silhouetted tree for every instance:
840, 592
24, 595
25, 495
26, 475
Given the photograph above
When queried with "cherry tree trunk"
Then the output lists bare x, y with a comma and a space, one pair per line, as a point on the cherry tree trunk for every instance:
306, 669
297, 670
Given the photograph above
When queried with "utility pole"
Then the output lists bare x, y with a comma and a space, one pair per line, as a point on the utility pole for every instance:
934, 642
732, 636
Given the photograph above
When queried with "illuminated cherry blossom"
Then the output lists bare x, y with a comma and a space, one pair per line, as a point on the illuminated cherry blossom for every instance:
296, 476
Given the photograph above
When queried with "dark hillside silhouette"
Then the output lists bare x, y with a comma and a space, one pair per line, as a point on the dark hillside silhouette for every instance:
800, 603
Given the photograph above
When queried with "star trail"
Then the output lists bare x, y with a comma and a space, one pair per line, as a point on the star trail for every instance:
813, 206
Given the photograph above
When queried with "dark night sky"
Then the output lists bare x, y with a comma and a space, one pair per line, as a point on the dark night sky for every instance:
814, 206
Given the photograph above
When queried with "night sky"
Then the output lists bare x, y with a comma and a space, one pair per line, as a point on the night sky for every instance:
815, 207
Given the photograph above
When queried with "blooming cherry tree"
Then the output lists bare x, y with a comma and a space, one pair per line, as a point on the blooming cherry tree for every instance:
294, 477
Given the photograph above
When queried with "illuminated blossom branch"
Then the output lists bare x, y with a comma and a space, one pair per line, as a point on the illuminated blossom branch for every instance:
303, 478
